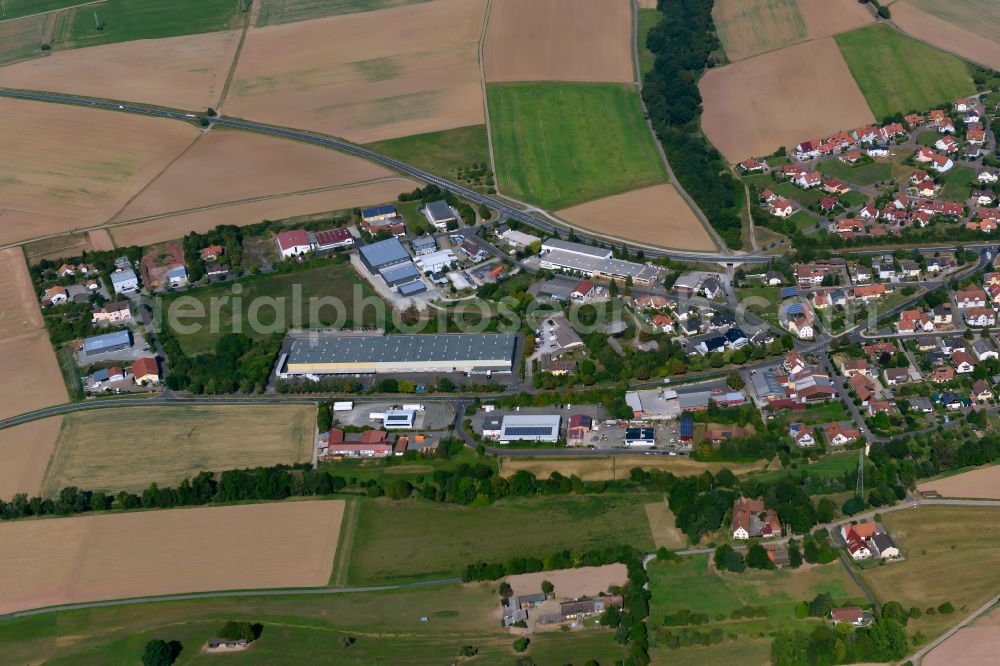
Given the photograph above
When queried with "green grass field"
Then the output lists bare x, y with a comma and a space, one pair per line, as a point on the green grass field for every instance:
765, 299
560, 144
829, 466
441, 153
273, 12
958, 184
299, 629
15, 8
865, 174
329, 280
689, 584
416, 539
741, 652
898, 74
127, 20
803, 220
647, 18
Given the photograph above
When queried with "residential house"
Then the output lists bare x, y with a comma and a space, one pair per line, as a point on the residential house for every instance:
211, 253
145, 370
124, 280
55, 296
752, 519
914, 321
981, 391
983, 349
663, 323
964, 364
980, 317
896, 376
850, 615
972, 297
942, 315
854, 366
293, 243
111, 313
942, 374
802, 434
838, 435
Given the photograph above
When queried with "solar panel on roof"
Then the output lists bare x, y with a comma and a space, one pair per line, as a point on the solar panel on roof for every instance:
795, 308
524, 431
788, 292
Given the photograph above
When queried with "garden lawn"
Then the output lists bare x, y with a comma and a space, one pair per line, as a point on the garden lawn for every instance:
560, 144
689, 584
864, 175
803, 221
898, 74
958, 184
804, 198
417, 539
771, 295
441, 153
828, 467
329, 279
127, 20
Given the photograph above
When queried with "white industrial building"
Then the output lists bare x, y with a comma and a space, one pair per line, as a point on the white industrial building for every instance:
530, 428
399, 419
435, 261
594, 262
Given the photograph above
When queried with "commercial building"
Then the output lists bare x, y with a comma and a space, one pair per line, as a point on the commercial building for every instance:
124, 280
293, 243
474, 353
639, 437
108, 342
379, 213
594, 262
530, 428
399, 419
332, 239
518, 239
423, 245
383, 254
435, 261
654, 404
439, 213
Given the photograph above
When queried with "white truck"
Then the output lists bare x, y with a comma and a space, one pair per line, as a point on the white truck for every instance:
343, 406
415, 408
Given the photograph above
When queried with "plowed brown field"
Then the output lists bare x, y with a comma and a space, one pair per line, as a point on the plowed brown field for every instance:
169, 227
27, 360
65, 168
656, 215
982, 483
25, 451
186, 72
755, 106
958, 39
366, 76
90, 558
559, 40
233, 166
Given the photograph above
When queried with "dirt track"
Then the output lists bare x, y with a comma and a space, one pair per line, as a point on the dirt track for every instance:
555, 40
89, 558
232, 166
175, 226
655, 215
366, 76
755, 106
186, 72
571, 583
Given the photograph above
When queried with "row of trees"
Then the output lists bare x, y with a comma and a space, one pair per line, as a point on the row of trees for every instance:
683, 42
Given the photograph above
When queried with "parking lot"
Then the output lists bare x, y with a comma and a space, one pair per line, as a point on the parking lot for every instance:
435, 415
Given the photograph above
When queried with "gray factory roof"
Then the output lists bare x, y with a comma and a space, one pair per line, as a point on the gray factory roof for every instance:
439, 211
123, 276
411, 288
576, 248
590, 264
404, 348
384, 253
397, 274
107, 340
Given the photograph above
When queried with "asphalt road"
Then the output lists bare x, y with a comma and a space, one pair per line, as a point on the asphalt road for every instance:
505, 210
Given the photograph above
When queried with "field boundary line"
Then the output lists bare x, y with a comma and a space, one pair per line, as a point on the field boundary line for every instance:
481, 47
53, 11
918, 657
154, 179
248, 19
348, 526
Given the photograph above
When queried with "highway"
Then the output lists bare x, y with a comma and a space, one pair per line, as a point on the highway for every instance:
505, 210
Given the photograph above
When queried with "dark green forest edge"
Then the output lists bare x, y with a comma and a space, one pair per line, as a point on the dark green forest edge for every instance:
683, 42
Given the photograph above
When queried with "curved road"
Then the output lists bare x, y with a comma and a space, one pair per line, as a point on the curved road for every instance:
504, 209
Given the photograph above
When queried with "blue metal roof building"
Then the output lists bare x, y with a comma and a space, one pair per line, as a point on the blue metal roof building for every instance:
687, 427
108, 342
378, 212
789, 292
411, 288
400, 274
383, 254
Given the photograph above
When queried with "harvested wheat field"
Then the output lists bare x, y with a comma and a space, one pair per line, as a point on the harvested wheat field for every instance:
618, 467
367, 76
825, 18
755, 106
233, 166
168, 227
663, 526
982, 483
90, 558
185, 72
972, 645
559, 40
976, 39
27, 361
187, 439
75, 167
647, 4
25, 451
653, 215
57, 247
571, 583
100, 240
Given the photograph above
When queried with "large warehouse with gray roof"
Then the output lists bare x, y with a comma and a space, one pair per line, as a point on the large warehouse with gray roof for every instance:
474, 353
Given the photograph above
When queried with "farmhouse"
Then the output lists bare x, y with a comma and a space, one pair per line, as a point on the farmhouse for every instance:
293, 243
530, 428
473, 353
108, 342
145, 370
850, 615
439, 213
752, 519
54, 295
